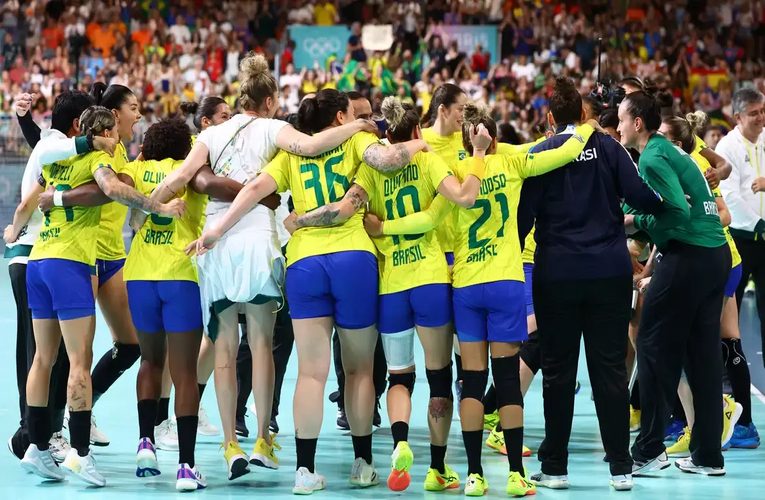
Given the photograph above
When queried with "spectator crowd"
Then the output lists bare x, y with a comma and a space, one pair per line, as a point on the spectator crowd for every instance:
171, 51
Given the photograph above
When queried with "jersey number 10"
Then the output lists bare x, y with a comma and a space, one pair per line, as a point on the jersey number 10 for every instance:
410, 191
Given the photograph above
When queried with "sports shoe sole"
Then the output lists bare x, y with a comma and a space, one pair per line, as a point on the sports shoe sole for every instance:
259, 460
240, 467
653, 466
85, 478
34, 469
706, 471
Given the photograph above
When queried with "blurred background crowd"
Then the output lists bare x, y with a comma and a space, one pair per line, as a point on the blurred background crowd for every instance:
170, 51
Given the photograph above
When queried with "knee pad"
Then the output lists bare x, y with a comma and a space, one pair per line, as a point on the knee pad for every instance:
399, 349
531, 353
474, 384
125, 355
733, 354
405, 379
440, 382
507, 380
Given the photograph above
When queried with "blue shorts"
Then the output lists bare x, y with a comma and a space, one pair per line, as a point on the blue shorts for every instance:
733, 281
341, 285
165, 306
528, 273
493, 311
426, 305
449, 258
59, 288
107, 268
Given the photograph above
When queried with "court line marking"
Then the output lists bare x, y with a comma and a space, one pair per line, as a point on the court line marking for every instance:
757, 393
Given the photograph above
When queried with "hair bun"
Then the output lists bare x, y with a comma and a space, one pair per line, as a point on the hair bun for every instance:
563, 83
698, 120
97, 91
475, 113
650, 87
254, 64
393, 111
189, 108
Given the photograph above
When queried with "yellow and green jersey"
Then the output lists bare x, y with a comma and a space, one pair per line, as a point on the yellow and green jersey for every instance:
704, 165
412, 260
487, 247
315, 182
157, 251
529, 247
452, 151
70, 233
111, 246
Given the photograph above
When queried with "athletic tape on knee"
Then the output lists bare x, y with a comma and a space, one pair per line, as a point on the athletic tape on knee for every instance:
474, 384
507, 380
440, 382
399, 349
405, 379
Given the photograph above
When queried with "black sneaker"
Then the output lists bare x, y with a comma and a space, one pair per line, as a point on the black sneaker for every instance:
377, 421
342, 421
273, 426
241, 427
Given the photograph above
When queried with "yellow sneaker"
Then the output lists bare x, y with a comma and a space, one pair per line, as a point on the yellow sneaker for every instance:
435, 481
634, 419
518, 486
236, 460
731, 413
496, 441
681, 448
263, 455
526, 451
490, 421
476, 485
401, 461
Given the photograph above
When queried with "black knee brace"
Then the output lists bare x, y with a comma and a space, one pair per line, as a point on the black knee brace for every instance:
531, 353
507, 380
474, 384
112, 365
405, 379
440, 382
733, 354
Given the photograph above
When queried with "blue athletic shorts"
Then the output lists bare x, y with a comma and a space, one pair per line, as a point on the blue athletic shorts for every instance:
59, 288
491, 311
528, 273
107, 268
449, 258
426, 305
342, 285
165, 306
733, 281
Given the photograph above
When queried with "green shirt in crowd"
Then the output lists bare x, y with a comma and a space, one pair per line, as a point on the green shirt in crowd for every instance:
672, 173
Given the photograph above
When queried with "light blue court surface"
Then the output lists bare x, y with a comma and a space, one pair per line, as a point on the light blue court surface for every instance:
117, 417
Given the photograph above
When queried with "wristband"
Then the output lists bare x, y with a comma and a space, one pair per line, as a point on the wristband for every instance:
89, 138
58, 198
478, 167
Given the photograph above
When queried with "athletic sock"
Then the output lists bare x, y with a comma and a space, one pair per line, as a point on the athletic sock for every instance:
79, 431
187, 438
437, 457
400, 432
112, 365
38, 426
473, 444
306, 453
147, 414
514, 447
490, 401
739, 376
362, 447
201, 390
163, 411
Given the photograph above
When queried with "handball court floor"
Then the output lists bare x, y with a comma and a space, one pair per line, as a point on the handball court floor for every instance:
117, 417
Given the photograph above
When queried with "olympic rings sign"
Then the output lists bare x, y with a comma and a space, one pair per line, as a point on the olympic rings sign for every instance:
321, 47
317, 43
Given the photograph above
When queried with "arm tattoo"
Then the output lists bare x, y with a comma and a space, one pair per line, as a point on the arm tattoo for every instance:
122, 193
325, 216
386, 159
295, 147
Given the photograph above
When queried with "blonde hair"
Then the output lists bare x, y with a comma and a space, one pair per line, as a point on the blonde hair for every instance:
402, 119
95, 120
476, 114
256, 83
698, 121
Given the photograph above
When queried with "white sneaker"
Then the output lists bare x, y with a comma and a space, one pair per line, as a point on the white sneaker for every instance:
189, 478
622, 483
552, 482
644, 468
364, 474
165, 436
97, 438
306, 482
204, 427
40, 462
83, 467
59, 447
687, 465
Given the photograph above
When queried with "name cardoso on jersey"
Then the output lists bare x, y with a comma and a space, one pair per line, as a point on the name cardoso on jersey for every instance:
489, 184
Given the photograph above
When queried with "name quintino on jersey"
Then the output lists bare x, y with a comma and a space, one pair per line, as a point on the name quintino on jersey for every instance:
406, 175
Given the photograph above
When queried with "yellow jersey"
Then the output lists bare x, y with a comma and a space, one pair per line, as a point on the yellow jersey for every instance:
111, 246
157, 251
315, 182
529, 247
70, 232
412, 260
704, 165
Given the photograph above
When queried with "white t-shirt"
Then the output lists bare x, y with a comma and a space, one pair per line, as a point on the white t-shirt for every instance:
181, 33
527, 71
241, 160
292, 80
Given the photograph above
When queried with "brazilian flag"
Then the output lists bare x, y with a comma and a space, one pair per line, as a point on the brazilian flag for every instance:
150, 6
718, 119
333, 65
388, 86
347, 81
